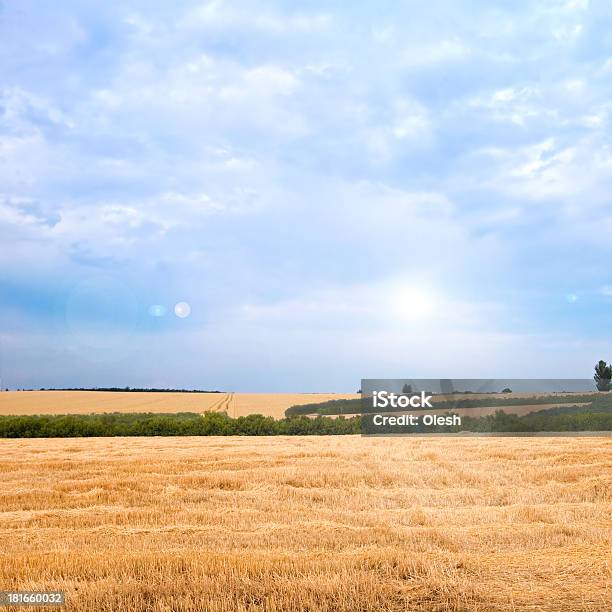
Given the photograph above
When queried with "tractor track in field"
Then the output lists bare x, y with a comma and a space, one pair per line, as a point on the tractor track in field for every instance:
224, 404
215, 407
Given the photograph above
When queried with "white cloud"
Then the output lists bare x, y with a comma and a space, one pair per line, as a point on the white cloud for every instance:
576, 5
16, 104
606, 291
113, 222
548, 169
221, 14
15, 212
261, 82
512, 104
440, 51
406, 125
569, 32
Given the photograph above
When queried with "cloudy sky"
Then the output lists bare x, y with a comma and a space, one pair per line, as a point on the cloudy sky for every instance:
336, 189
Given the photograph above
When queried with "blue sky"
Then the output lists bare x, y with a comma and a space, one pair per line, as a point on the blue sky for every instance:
337, 189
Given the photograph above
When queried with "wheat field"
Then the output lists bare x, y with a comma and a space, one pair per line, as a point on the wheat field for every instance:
234, 404
309, 523
85, 402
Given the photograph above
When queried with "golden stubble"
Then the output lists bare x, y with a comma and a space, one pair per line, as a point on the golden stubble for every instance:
309, 523
86, 402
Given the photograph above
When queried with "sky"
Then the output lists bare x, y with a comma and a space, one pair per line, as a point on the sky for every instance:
329, 191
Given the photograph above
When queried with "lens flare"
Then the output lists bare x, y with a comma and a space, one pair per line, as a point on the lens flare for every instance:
157, 310
182, 310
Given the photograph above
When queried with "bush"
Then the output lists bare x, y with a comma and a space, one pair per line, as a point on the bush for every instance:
180, 424
570, 418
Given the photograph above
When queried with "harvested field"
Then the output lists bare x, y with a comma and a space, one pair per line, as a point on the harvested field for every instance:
235, 404
315, 523
275, 404
85, 402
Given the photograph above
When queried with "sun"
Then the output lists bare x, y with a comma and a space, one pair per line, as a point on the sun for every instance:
412, 303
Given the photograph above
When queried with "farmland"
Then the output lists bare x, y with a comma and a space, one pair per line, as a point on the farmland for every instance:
237, 404
340, 523
85, 402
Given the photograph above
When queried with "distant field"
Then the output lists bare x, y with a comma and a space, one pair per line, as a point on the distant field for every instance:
294, 524
474, 412
473, 404
85, 402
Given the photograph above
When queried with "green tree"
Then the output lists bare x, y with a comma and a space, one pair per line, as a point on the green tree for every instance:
603, 376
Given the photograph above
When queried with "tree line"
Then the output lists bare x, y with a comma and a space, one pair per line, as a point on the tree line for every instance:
175, 424
219, 424
132, 390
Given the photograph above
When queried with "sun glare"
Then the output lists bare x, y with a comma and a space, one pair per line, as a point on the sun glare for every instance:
413, 303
